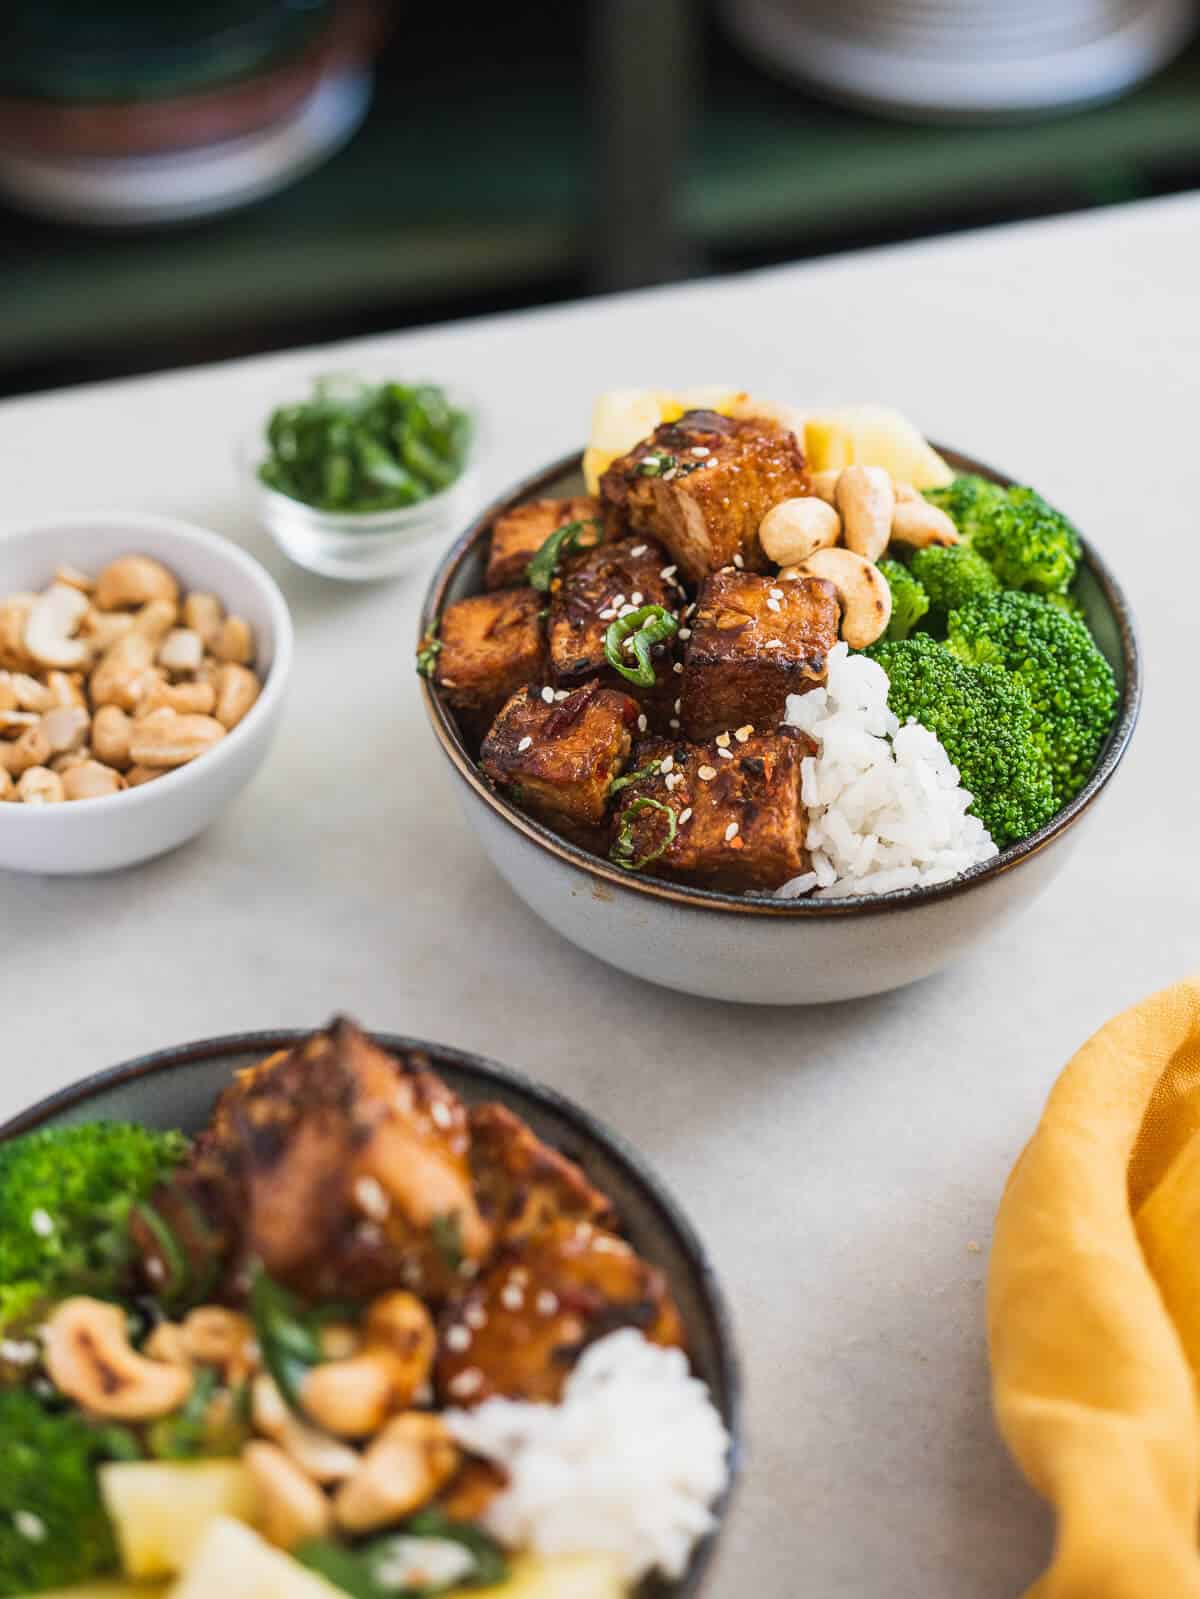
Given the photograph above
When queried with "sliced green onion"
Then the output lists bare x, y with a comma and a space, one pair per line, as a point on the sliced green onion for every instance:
563, 541
622, 851
428, 651
647, 626
618, 783
171, 1253
656, 465
289, 1340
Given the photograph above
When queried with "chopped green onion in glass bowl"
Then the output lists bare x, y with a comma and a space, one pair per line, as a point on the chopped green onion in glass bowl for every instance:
352, 472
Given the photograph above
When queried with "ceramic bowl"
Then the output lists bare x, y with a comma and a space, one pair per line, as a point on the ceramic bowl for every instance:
758, 950
101, 834
177, 1088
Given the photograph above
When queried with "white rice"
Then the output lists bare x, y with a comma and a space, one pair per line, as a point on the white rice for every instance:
628, 1463
886, 809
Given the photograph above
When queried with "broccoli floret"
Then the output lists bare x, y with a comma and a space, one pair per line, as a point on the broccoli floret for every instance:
1026, 542
1057, 661
65, 1198
909, 599
951, 576
984, 718
53, 1527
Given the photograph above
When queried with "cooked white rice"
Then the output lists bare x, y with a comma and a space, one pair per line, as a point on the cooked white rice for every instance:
628, 1463
885, 806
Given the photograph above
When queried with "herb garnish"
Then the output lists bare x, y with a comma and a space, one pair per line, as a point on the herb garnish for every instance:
618, 783
563, 541
428, 651
375, 1569
288, 1335
621, 853
645, 627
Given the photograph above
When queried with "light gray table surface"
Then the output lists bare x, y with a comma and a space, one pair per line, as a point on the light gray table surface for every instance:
843, 1163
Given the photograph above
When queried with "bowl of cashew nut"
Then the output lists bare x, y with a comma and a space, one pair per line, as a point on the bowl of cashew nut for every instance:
143, 664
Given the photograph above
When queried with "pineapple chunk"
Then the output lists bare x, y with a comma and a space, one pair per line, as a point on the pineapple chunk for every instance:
558, 1577
233, 1562
872, 435
162, 1509
622, 418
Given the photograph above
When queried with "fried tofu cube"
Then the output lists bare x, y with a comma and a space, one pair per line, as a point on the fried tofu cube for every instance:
557, 757
588, 594
739, 822
519, 535
702, 485
754, 640
491, 644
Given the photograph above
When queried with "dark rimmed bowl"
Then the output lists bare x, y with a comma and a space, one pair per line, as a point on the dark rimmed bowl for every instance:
177, 1088
759, 950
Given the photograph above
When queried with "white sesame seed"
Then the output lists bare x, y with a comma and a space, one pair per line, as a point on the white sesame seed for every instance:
441, 1114
731, 832
546, 1303
678, 706
635, 599
726, 755
667, 764
669, 474
155, 1269
617, 601
774, 605
458, 1339
29, 1526
548, 695
674, 722
467, 1382
738, 562
525, 743
42, 1223
678, 667
671, 780
685, 632
639, 549
627, 610
773, 644
642, 724
372, 1199
707, 773
723, 740
685, 815
668, 572
561, 694
776, 594
700, 451
512, 1296
369, 1232
712, 461
475, 1316
743, 733
607, 616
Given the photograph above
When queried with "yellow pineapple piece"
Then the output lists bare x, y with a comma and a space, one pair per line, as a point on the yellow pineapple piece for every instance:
233, 1562
873, 435
162, 1509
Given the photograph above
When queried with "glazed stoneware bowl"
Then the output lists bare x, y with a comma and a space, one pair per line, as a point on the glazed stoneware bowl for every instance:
177, 1088
99, 835
758, 950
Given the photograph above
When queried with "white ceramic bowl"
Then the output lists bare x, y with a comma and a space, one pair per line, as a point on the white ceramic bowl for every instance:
758, 950
99, 835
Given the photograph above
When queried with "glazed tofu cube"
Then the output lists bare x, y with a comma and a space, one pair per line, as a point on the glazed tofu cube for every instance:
591, 590
491, 644
739, 820
701, 486
520, 534
754, 640
557, 757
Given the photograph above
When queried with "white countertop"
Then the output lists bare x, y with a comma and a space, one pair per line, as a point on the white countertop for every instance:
843, 1163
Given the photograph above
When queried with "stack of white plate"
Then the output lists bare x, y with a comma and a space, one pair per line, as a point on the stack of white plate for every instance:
964, 59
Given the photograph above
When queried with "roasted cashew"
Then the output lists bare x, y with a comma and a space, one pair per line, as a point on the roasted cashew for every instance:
824, 484
111, 730
404, 1467
866, 500
215, 1336
91, 780
865, 597
40, 786
66, 728
123, 674
172, 740
793, 529
319, 1456
354, 1397
182, 650
291, 1508
132, 581
89, 1359
51, 625
919, 524
234, 641
237, 689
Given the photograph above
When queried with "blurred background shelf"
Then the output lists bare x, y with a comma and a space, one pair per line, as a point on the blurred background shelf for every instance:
548, 161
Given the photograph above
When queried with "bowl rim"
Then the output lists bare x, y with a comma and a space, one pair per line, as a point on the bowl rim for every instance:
635, 1168
684, 897
274, 685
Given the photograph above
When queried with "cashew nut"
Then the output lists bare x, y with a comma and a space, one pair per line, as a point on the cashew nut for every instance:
91, 780
291, 1508
237, 689
111, 730
824, 484
32, 749
203, 613
234, 641
219, 1337
13, 615
51, 624
137, 775
862, 589
156, 619
102, 629
182, 650
132, 581
40, 786
184, 699
65, 688
919, 524
319, 1456
8, 693
793, 529
74, 578
904, 492
866, 501
66, 728
166, 1342
121, 677
404, 1467
354, 1397
8, 789
173, 740
89, 1358
28, 693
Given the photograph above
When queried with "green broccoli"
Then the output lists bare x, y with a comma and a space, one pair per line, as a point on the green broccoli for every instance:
65, 1198
1057, 661
984, 718
53, 1526
1026, 542
951, 576
909, 599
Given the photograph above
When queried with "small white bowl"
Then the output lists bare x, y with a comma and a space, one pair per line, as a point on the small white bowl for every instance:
99, 835
354, 546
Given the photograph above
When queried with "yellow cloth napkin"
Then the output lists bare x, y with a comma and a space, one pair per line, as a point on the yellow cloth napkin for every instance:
1094, 1308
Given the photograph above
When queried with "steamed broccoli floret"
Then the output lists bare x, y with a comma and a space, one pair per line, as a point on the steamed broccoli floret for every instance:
1026, 542
65, 1198
53, 1527
952, 576
984, 718
1057, 661
909, 599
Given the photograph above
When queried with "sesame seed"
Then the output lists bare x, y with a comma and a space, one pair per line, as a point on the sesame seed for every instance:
685, 632
667, 764
700, 451
773, 644
548, 695
643, 724
441, 1113
449, 682
561, 694
525, 743
668, 475
372, 1199
685, 815
712, 461
678, 667
668, 572
155, 1269
29, 1526
627, 610
467, 1382
635, 599
512, 1296
671, 780
639, 549
723, 740
546, 1303
743, 733
674, 722
774, 605
458, 1339
608, 615
678, 706
617, 601
731, 832
707, 773
776, 594
42, 1223
475, 1316
726, 755
738, 562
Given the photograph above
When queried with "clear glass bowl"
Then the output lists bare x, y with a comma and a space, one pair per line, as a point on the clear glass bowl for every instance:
355, 546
